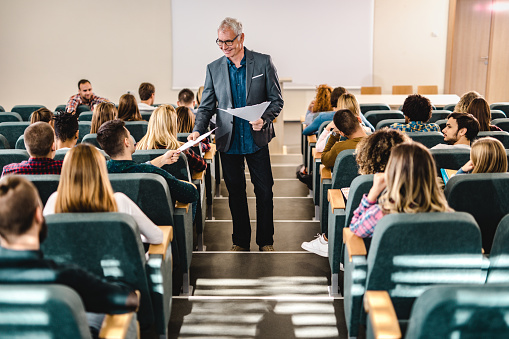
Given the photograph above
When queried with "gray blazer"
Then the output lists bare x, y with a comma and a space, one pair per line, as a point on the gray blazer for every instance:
262, 84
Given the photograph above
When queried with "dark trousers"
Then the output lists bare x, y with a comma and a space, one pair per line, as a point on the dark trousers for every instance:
261, 177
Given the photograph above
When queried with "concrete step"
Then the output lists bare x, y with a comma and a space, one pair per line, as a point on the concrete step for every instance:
281, 188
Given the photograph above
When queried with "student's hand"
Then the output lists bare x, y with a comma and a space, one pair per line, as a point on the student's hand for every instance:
193, 136
468, 166
171, 157
257, 125
330, 126
379, 185
311, 105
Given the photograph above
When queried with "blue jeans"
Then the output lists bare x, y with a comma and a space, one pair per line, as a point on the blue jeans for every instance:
261, 177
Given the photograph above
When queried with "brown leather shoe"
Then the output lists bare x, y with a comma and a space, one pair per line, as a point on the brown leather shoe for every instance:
236, 248
267, 248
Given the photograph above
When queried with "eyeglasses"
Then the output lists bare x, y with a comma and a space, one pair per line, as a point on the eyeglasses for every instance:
227, 42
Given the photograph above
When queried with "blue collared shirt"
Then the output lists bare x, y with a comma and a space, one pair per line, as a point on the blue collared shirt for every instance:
242, 140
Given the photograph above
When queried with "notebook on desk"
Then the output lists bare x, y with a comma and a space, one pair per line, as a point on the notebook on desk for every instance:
447, 174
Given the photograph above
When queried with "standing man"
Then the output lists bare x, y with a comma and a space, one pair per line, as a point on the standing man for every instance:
242, 78
85, 96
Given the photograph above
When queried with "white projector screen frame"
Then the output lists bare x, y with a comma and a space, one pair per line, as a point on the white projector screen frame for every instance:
311, 42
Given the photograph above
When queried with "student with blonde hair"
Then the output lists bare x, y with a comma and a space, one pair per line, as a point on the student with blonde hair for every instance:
409, 185
128, 108
480, 109
162, 134
84, 187
465, 100
487, 155
103, 112
185, 124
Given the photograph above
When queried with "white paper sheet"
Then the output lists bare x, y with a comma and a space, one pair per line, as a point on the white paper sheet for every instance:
249, 113
191, 143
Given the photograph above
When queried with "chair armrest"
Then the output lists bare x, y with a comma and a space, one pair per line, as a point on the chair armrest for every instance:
382, 315
353, 243
325, 173
317, 155
336, 200
162, 247
312, 138
187, 182
117, 325
182, 205
199, 176
209, 155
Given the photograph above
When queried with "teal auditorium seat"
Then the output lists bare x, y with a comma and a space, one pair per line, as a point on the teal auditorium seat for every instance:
502, 123
86, 116
2, 109
84, 129
388, 123
497, 114
20, 143
503, 136
42, 311
450, 107
46, 184
25, 110
91, 138
151, 193
441, 123
457, 311
344, 171
4, 144
450, 158
502, 106
374, 107
10, 117
109, 245
408, 254
439, 115
138, 129
314, 168
340, 218
428, 139
375, 116
485, 196
60, 154
81, 108
179, 169
499, 256
9, 156
12, 130
146, 115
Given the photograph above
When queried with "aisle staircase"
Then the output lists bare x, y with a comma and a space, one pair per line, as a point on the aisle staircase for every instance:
281, 294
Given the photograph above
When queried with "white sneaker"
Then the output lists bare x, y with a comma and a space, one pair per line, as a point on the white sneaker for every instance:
318, 246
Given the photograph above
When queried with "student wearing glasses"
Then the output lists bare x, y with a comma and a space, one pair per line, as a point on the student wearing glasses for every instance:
242, 78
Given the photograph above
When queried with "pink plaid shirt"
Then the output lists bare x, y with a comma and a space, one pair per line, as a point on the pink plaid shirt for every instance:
76, 100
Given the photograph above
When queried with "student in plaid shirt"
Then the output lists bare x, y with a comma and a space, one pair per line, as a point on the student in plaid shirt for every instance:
417, 110
85, 96
40, 144
411, 169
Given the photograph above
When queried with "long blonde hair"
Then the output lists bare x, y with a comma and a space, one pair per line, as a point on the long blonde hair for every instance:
465, 100
161, 130
349, 101
103, 112
488, 156
411, 182
84, 185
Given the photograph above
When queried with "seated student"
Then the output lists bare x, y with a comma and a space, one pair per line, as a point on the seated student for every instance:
186, 98
116, 141
480, 109
465, 100
128, 108
347, 125
85, 96
42, 114
162, 134
147, 93
487, 155
417, 110
22, 230
321, 103
372, 155
40, 144
409, 185
460, 131
185, 124
84, 187
103, 112
66, 130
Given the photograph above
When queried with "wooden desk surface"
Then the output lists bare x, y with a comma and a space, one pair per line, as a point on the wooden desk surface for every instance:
396, 100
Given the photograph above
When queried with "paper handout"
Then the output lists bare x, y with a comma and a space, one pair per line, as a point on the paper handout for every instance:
249, 113
191, 143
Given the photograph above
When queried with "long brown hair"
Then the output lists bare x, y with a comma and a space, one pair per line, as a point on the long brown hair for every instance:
480, 109
185, 120
128, 108
103, 112
84, 185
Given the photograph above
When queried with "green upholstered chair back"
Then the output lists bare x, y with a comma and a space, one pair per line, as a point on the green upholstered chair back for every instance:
60, 108
345, 169
322, 126
86, 116
439, 115
2, 109
46, 184
375, 116
146, 115
503, 136
502, 106
182, 137
105, 244
374, 107
84, 129
450, 107
12, 130
410, 252
9, 156
360, 186
428, 139
441, 123
20, 143
60, 154
499, 256
10, 117
179, 169
138, 129
42, 311
497, 114
502, 123
91, 138
387, 122
465, 312
450, 158
485, 196
26, 110
4, 144
83, 109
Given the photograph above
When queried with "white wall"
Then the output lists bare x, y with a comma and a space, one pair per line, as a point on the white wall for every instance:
47, 46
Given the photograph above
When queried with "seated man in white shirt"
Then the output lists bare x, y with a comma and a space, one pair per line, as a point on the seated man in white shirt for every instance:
460, 131
147, 92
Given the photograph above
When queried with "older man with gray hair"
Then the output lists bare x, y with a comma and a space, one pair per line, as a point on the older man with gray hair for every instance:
242, 78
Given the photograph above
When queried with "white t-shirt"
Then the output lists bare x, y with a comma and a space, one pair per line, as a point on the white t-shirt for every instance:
149, 232
143, 107
445, 146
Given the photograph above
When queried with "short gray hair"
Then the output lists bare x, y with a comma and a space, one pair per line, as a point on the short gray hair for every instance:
231, 23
